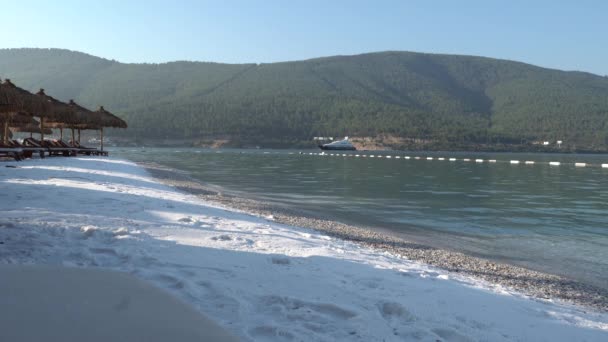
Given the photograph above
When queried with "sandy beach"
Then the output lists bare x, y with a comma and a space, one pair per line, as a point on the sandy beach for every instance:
268, 275
56, 303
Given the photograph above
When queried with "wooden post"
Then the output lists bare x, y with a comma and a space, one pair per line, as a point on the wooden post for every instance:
5, 132
101, 139
61, 133
73, 136
79, 136
41, 129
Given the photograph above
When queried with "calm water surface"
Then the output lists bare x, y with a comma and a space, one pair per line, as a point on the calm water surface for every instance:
549, 218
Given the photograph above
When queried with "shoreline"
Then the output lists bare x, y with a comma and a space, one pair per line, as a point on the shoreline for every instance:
227, 143
535, 284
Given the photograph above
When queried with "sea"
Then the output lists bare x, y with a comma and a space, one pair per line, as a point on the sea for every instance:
547, 212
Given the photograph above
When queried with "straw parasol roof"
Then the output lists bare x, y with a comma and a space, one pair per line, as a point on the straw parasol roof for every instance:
77, 117
83, 118
18, 118
15, 99
22, 122
108, 119
15, 119
30, 128
60, 111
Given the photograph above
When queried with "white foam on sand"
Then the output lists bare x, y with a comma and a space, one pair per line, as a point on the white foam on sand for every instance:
261, 280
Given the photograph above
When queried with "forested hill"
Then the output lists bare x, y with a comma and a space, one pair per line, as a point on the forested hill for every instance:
445, 99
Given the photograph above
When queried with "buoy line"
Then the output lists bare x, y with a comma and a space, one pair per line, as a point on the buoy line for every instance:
453, 159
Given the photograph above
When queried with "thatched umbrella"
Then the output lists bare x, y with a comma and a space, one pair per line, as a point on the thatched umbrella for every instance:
100, 119
29, 128
86, 119
14, 119
61, 113
24, 123
14, 99
109, 120
79, 117
9, 120
5, 121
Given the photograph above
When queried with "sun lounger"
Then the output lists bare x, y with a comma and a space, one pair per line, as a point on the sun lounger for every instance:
52, 147
61, 144
11, 152
28, 151
88, 150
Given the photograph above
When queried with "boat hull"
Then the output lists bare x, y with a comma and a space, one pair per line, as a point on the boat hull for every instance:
337, 148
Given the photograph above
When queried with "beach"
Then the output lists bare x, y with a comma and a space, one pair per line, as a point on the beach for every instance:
530, 282
266, 274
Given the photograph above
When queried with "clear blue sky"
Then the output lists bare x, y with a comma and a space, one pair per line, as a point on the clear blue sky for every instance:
570, 35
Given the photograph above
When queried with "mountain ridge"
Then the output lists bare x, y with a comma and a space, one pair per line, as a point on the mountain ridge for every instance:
452, 100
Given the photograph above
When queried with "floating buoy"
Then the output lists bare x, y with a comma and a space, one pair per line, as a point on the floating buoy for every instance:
514, 161
605, 166
452, 159
408, 157
372, 156
364, 155
389, 157
429, 158
479, 160
528, 162
356, 155
416, 157
580, 164
441, 158
466, 159
397, 157
554, 163
492, 160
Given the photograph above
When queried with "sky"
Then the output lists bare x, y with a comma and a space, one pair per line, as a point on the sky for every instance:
567, 35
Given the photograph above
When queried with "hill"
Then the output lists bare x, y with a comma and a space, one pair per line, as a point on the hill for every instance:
405, 98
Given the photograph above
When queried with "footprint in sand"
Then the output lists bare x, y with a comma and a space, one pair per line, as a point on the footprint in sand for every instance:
451, 335
398, 318
223, 237
104, 251
280, 260
395, 312
208, 293
169, 281
305, 311
269, 332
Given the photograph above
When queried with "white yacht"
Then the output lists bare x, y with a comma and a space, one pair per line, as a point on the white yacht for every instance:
339, 145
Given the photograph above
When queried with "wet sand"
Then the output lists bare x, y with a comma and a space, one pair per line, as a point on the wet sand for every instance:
528, 282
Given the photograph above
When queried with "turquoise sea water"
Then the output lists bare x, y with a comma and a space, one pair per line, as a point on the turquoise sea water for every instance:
549, 218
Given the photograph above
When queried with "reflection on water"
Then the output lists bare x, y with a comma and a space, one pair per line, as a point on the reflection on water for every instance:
551, 218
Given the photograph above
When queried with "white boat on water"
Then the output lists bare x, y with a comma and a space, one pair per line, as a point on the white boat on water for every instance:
342, 145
